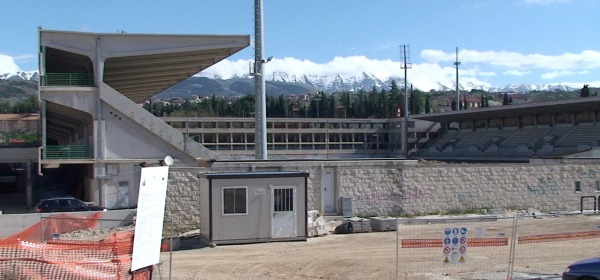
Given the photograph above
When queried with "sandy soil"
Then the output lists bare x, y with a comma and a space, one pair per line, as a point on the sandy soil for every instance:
373, 255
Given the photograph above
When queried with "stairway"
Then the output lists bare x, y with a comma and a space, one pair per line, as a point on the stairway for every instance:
155, 124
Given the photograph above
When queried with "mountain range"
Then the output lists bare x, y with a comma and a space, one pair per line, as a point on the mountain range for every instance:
285, 84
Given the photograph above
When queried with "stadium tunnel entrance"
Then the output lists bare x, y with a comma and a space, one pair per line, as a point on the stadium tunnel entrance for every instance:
22, 186
63, 180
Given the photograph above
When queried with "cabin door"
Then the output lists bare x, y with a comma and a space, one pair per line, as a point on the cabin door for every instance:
283, 209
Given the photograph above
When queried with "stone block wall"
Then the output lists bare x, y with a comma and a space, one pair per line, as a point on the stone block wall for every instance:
442, 189
517, 186
400, 187
182, 201
375, 190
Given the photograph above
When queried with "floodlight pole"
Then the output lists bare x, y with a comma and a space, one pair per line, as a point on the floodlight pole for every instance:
405, 66
260, 146
456, 63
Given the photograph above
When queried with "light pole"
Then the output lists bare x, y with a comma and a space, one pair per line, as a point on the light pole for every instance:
318, 99
405, 66
259, 85
456, 63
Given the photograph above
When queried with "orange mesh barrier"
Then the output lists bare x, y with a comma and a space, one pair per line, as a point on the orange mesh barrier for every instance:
552, 237
57, 224
473, 242
109, 258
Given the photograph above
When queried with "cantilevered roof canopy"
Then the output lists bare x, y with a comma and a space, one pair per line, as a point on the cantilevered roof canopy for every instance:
137, 65
514, 110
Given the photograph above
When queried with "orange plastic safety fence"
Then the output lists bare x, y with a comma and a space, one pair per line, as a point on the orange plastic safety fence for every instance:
142, 274
109, 258
57, 224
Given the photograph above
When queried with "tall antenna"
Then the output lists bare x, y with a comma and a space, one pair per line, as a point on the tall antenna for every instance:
456, 63
406, 65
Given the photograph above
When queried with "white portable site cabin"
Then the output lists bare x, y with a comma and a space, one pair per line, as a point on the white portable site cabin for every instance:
251, 207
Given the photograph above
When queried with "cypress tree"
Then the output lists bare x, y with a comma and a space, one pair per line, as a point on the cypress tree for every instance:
585, 91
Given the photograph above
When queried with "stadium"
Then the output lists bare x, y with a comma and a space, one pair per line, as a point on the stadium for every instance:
95, 140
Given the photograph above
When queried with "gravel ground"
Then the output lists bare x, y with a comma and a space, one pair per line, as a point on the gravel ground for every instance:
373, 255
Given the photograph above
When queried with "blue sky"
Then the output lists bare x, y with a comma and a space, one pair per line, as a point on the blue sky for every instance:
500, 41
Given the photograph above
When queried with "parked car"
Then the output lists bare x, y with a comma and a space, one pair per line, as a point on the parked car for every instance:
588, 269
65, 204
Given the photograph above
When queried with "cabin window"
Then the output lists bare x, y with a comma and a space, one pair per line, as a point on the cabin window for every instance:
235, 200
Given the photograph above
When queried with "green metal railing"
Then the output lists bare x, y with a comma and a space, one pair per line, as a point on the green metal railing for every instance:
66, 152
69, 79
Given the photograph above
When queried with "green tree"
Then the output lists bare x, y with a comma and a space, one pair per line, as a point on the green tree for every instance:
332, 104
347, 103
417, 101
359, 108
585, 91
29, 105
372, 105
395, 99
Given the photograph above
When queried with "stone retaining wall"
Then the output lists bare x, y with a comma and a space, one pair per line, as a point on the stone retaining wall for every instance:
400, 187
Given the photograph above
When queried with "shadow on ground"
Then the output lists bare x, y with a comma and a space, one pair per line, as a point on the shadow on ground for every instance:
192, 243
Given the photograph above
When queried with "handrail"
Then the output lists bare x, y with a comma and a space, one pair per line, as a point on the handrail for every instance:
69, 79
66, 152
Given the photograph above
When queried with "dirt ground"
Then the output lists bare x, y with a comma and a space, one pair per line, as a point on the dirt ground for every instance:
373, 255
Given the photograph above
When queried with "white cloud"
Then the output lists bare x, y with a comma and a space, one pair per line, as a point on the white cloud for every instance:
562, 73
426, 76
343, 66
437, 56
587, 59
7, 64
477, 67
487, 74
516, 73
227, 69
24, 58
438, 68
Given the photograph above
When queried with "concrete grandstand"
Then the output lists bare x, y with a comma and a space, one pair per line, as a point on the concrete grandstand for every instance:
519, 133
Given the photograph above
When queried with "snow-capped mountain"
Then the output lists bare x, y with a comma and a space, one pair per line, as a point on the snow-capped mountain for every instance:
20, 76
522, 88
339, 82
332, 83
367, 81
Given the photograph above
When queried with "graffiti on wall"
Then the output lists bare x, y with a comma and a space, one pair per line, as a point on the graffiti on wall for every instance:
590, 174
589, 180
464, 197
545, 187
384, 197
378, 198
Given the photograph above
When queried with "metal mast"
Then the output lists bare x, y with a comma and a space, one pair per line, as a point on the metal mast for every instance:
456, 63
406, 65
260, 146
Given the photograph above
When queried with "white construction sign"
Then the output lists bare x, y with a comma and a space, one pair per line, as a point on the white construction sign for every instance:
455, 245
150, 216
